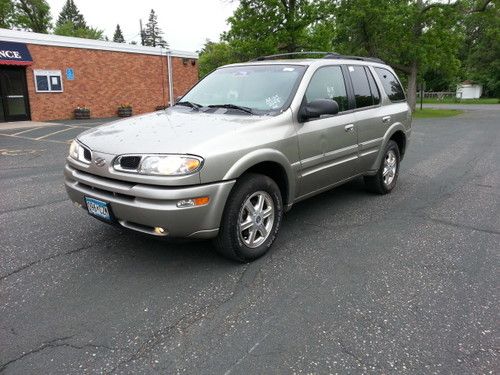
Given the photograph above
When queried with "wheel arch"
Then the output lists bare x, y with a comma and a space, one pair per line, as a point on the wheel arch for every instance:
396, 133
271, 163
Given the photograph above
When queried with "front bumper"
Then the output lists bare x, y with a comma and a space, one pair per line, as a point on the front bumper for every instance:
143, 207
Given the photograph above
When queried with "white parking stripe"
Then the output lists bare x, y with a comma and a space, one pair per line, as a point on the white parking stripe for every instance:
28, 130
33, 139
53, 133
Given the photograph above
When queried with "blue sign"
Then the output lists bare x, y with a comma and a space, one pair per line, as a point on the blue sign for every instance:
14, 54
70, 74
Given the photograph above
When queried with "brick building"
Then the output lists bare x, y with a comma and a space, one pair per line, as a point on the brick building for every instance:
45, 77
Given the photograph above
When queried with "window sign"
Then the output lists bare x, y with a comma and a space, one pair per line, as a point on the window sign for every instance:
70, 74
48, 80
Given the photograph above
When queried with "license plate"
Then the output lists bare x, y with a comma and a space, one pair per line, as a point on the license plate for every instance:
98, 208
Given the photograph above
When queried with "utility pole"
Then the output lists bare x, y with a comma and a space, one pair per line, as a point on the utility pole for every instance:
142, 32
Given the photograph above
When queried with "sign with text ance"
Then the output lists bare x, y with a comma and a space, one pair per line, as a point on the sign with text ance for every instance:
12, 53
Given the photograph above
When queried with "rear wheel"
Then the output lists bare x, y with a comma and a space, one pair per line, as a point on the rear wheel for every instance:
251, 219
387, 175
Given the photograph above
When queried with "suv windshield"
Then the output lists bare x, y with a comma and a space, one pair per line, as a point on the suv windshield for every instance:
260, 88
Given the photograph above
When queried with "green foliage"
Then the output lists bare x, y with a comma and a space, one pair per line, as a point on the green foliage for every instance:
214, 55
70, 13
152, 34
118, 35
481, 50
69, 29
6, 12
72, 23
262, 27
434, 113
33, 15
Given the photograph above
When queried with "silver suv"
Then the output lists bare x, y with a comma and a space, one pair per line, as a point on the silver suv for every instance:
241, 147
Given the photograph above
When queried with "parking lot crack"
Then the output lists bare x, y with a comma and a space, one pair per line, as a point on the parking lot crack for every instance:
54, 256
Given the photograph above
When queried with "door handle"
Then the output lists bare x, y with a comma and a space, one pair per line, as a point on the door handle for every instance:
386, 119
349, 128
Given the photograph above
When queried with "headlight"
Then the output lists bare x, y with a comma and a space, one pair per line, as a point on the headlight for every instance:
162, 165
73, 149
78, 152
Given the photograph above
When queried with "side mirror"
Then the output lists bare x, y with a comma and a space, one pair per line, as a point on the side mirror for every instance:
318, 108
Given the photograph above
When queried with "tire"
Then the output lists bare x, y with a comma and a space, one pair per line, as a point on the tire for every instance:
242, 245
380, 183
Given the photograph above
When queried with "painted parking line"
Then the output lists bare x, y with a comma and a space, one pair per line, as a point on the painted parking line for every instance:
53, 133
29, 130
33, 139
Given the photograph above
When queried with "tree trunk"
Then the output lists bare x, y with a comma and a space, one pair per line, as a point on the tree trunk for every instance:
412, 86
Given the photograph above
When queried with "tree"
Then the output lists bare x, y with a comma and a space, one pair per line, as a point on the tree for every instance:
72, 23
70, 13
481, 49
118, 35
213, 55
69, 29
6, 13
260, 27
152, 34
33, 15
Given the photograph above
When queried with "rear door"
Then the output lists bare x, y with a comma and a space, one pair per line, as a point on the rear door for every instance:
370, 116
327, 145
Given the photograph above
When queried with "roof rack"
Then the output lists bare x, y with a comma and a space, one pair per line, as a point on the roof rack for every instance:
272, 57
326, 55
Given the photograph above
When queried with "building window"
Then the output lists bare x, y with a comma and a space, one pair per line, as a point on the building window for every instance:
48, 80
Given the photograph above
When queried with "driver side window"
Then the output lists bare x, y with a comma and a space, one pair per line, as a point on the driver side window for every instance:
328, 83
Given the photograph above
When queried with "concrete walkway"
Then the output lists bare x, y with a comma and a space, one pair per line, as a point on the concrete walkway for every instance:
25, 125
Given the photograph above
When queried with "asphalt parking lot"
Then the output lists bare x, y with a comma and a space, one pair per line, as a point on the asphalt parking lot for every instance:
356, 283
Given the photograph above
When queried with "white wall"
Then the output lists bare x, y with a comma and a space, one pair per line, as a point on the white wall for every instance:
469, 91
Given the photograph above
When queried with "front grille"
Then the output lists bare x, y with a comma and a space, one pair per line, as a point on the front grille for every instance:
130, 162
87, 154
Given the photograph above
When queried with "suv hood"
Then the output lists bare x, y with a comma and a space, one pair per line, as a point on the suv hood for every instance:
169, 131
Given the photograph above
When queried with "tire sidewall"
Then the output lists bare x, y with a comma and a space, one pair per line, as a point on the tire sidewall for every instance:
244, 190
394, 147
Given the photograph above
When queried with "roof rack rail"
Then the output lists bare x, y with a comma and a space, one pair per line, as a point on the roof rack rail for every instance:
271, 57
326, 55
347, 57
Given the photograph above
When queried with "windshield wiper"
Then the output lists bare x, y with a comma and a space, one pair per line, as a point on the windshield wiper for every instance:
232, 106
189, 104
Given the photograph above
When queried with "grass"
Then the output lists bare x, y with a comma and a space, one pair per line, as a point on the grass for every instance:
464, 101
435, 113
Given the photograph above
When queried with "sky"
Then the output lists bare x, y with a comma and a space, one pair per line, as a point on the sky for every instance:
186, 23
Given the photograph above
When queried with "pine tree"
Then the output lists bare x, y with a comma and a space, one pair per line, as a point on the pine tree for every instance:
70, 13
152, 32
118, 36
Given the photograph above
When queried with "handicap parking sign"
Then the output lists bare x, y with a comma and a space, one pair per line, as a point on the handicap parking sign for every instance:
70, 74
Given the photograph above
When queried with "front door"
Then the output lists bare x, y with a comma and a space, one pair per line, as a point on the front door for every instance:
328, 145
14, 103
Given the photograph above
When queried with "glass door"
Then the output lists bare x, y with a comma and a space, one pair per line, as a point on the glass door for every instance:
14, 94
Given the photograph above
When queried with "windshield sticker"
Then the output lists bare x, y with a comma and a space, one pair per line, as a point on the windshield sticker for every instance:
241, 73
288, 69
274, 101
351, 69
232, 94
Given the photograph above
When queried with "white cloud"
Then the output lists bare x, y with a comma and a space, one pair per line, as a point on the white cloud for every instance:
186, 23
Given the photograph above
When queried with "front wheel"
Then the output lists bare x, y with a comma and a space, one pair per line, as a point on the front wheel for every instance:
387, 175
251, 219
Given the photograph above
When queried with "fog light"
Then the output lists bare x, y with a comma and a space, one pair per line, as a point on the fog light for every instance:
159, 230
201, 201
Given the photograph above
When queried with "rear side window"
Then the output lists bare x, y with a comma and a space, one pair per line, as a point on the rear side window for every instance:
391, 85
328, 83
361, 86
373, 87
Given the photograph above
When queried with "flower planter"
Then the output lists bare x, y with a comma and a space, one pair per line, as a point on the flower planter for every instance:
124, 112
81, 114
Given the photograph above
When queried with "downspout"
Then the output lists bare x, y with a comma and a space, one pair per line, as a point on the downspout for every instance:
171, 99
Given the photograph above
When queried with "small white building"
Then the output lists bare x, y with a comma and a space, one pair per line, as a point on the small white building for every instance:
469, 90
